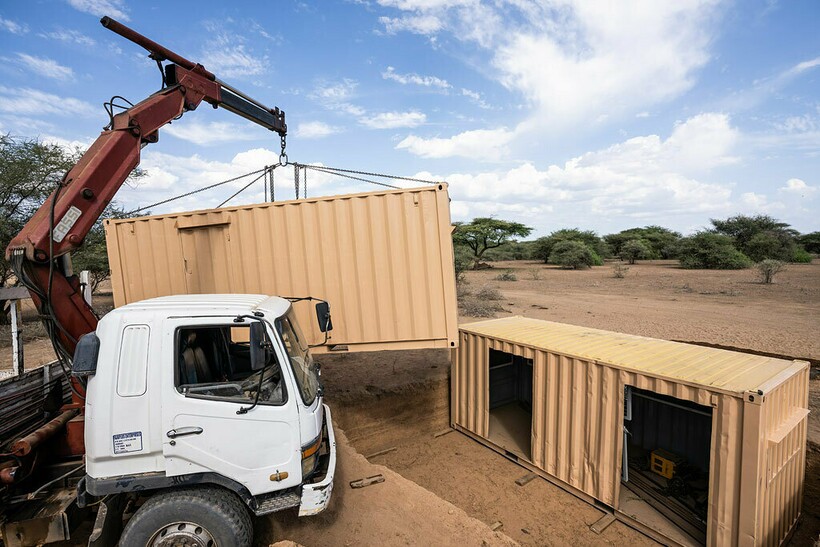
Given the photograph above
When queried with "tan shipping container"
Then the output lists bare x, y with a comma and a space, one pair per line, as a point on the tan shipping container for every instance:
383, 260
574, 404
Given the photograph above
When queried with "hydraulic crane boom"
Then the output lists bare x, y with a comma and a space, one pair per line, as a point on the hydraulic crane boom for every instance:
39, 252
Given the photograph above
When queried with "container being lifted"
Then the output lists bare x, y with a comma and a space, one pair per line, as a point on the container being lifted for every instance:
687, 443
383, 260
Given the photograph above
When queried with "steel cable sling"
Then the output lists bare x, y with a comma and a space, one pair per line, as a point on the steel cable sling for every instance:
192, 192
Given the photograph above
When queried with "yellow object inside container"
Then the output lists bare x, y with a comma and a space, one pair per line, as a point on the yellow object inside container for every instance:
664, 463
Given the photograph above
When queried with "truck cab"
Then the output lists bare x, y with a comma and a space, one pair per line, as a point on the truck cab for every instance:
216, 391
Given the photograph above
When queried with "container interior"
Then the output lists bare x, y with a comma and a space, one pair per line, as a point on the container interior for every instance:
510, 424
667, 457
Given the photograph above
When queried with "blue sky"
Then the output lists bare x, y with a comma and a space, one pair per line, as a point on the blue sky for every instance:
561, 113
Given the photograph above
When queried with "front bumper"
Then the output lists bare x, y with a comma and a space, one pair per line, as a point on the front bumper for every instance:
316, 495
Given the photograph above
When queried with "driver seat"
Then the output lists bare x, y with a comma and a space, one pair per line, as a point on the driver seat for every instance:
195, 366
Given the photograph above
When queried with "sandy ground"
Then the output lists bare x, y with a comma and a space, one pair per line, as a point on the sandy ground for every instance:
395, 512
661, 300
399, 399
403, 408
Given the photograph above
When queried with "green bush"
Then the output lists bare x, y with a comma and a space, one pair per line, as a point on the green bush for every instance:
775, 245
801, 256
810, 242
512, 250
574, 255
635, 249
710, 251
661, 241
543, 246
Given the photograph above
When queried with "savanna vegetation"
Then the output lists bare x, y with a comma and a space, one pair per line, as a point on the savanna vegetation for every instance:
736, 242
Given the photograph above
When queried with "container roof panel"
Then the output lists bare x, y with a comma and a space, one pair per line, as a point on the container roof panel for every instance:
724, 370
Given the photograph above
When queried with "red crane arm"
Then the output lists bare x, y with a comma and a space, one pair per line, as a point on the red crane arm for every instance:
65, 219
73, 208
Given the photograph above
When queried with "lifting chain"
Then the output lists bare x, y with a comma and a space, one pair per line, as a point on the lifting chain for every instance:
272, 185
283, 158
296, 179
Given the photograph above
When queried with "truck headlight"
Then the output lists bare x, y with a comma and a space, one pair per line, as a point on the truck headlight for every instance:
310, 455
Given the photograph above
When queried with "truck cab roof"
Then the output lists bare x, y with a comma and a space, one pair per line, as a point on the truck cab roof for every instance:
207, 304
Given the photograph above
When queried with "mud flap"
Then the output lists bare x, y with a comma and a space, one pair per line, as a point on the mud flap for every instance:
108, 525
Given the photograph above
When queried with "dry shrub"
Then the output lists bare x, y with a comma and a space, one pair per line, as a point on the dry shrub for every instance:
462, 290
767, 269
619, 271
535, 274
473, 307
489, 293
506, 276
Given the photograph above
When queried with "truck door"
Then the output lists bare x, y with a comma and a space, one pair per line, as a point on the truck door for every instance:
205, 426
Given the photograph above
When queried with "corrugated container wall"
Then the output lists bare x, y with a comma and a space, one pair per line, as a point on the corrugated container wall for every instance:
383, 260
757, 442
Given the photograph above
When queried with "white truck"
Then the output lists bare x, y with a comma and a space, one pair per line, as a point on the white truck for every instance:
211, 403
194, 411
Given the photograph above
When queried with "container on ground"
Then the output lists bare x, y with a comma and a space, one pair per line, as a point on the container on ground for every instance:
739, 418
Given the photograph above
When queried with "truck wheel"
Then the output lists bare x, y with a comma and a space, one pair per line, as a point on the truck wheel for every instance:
195, 517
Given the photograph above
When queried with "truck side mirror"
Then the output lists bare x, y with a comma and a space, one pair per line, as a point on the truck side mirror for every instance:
260, 354
85, 355
323, 316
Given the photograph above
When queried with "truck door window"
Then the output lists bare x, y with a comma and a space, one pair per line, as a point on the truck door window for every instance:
213, 362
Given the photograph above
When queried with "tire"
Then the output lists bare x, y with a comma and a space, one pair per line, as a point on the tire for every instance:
193, 515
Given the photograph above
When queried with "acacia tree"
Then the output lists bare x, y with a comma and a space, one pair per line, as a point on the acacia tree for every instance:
760, 236
487, 233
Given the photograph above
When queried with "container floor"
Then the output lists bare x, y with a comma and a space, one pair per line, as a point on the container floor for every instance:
634, 506
511, 429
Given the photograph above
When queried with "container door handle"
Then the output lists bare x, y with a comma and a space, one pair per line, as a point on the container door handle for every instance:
182, 431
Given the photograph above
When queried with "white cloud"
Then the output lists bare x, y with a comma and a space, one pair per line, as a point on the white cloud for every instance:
642, 180
206, 134
475, 97
48, 68
13, 26
796, 124
798, 187
315, 130
71, 145
753, 202
480, 144
765, 87
70, 36
643, 114
416, 79
337, 96
111, 8
228, 56
421, 24
392, 120
576, 60
804, 66
23, 101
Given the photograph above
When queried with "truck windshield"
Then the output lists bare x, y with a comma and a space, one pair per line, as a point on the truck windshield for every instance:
307, 377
